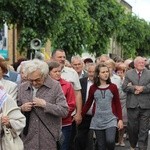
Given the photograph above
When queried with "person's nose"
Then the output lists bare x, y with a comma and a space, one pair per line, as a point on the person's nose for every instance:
63, 59
106, 73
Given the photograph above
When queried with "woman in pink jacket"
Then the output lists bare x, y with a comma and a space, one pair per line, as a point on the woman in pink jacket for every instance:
55, 73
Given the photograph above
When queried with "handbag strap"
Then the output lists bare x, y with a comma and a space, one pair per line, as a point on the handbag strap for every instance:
34, 109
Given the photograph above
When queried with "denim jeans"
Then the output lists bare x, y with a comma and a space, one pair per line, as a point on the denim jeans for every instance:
106, 138
67, 134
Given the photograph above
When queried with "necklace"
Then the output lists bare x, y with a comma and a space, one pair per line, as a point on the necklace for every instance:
103, 93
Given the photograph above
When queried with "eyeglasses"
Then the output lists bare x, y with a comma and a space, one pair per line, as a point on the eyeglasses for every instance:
36, 80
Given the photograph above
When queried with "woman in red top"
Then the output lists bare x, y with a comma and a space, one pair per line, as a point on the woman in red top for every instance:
108, 113
55, 73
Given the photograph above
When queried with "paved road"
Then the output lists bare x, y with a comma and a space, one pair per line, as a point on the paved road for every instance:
127, 147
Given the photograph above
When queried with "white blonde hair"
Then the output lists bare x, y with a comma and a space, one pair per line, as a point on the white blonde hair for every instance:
137, 59
77, 57
34, 65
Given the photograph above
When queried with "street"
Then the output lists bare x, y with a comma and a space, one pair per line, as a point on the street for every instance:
127, 146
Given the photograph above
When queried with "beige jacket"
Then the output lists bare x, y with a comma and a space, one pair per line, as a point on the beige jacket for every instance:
17, 119
10, 87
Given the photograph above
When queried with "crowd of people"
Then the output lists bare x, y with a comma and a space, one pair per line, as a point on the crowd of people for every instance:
92, 103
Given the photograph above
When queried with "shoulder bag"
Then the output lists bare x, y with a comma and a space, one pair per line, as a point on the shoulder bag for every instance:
60, 141
10, 140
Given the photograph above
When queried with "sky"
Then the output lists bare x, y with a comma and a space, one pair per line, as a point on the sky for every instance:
141, 8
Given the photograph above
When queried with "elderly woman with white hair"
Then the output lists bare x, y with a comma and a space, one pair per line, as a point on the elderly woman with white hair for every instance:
42, 101
21, 70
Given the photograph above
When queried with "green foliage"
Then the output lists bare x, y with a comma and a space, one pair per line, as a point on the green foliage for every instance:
76, 29
132, 35
34, 18
107, 16
144, 47
76, 25
70, 24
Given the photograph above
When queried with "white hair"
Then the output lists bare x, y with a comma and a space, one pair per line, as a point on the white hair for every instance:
77, 57
90, 65
36, 64
20, 67
137, 59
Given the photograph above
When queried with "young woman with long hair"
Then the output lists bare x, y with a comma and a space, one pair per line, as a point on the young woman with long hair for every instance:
107, 113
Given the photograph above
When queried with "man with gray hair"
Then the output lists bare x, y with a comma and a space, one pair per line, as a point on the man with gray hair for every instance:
84, 138
137, 87
41, 98
102, 59
78, 65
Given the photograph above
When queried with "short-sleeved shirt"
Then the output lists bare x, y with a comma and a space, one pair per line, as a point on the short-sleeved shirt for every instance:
71, 76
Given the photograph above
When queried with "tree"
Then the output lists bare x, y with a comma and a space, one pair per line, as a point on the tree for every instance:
70, 24
34, 18
74, 25
133, 35
65, 22
107, 16
77, 30
144, 47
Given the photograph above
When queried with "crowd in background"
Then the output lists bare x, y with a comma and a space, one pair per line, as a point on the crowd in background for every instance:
95, 104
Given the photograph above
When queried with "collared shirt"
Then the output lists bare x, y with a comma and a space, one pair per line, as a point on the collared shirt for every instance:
116, 80
83, 74
89, 83
139, 72
71, 76
7, 77
34, 91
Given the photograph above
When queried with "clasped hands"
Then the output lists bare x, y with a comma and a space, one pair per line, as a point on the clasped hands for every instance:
138, 89
37, 102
